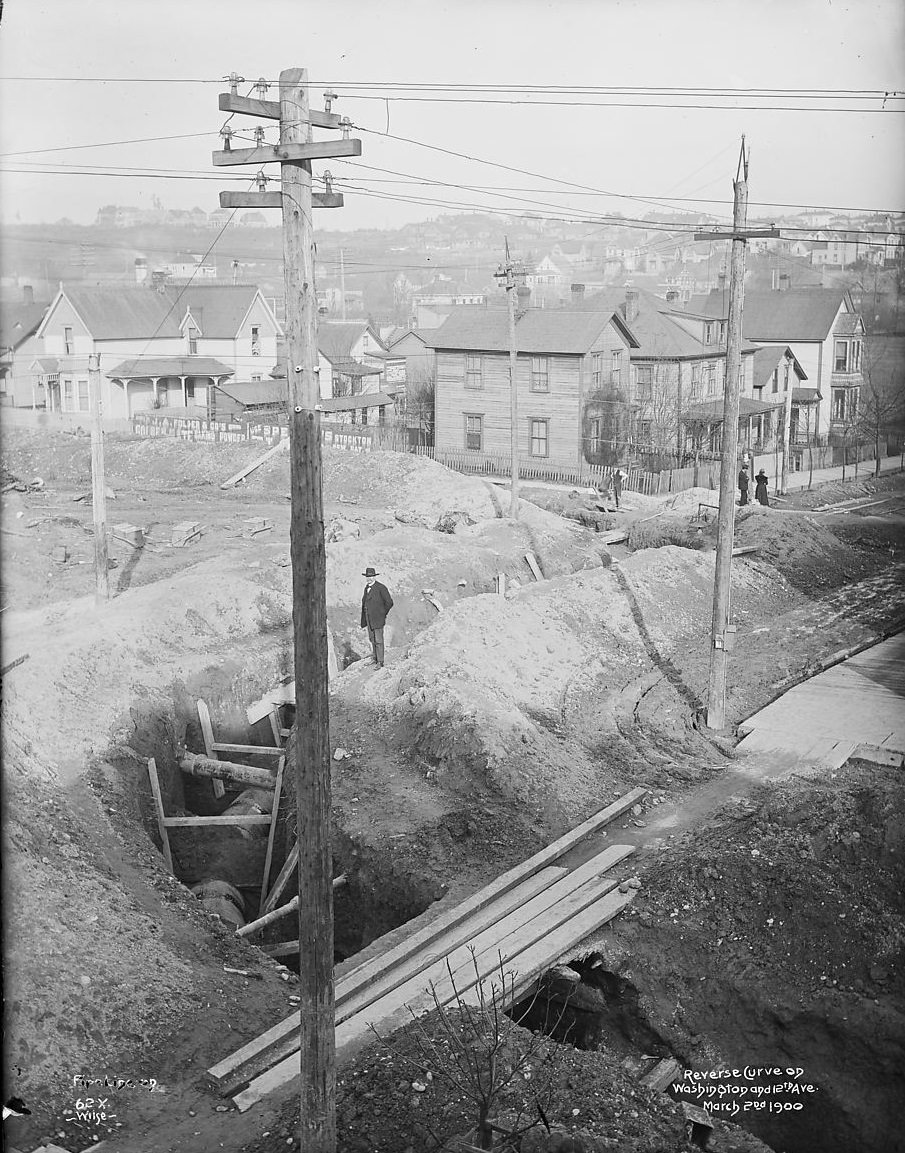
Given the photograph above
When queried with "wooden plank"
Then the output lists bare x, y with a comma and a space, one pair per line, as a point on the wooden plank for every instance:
276, 726
268, 857
287, 153
261, 1052
448, 920
662, 1075
593, 906
501, 885
207, 733
534, 566
282, 911
161, 818
282, 880
190, 822
282, 445
249, 750
546, 903
270, 110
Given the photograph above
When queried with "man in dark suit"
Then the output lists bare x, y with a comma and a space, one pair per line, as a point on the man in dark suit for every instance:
375, 604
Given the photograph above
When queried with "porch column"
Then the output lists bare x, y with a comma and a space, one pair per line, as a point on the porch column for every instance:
126, 398
185, 399
155, 380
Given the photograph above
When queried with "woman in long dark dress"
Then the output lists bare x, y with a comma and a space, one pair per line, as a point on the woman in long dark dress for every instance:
760, 488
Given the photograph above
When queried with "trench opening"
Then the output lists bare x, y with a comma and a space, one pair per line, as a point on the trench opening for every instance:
223, 865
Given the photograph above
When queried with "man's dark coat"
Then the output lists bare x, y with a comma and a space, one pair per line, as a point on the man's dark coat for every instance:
375, 604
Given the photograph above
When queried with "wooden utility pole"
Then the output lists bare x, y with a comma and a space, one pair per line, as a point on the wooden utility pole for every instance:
295, 151
786, 434
98, 482
508, 277
722, 638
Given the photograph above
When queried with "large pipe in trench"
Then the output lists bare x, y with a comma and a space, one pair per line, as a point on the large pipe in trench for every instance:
197, 765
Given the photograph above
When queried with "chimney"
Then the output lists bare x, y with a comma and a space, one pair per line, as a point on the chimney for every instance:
672, 296
28, 294
577, 293
631, 303
523, 300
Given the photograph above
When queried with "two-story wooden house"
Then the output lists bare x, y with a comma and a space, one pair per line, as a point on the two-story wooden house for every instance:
823, 330
572, 379
159, 348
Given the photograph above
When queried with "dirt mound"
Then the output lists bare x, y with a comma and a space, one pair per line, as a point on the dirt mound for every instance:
533, 696
807, 553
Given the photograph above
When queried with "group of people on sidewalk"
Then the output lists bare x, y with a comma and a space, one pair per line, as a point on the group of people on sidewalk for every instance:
760, 486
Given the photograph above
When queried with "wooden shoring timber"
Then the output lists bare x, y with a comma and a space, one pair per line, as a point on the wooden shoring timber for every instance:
526, 959
440, 926
268, 857
534, 566
224, 820
283, 877
207, 733
282, 911
196, 765
161, 817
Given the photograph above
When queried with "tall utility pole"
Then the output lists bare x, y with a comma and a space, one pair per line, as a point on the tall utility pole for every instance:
342, 281
722, 638
786, 433
295, 151
507, 274
98, 483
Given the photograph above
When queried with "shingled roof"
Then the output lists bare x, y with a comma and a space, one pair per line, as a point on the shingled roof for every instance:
793, 314
769, 357
336, 338
539, 331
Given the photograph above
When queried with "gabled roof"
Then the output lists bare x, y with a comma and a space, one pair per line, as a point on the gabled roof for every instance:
335, 338
806, 395
658, 334
143, 367
793, 314
18, 322
848, 324
769, 357
219, 309
349, 367
138, 313
123, 313
539, 331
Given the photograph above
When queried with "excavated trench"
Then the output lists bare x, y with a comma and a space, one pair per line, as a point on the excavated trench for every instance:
223, 865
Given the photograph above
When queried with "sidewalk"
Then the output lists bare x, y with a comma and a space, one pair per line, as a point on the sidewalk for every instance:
799, 480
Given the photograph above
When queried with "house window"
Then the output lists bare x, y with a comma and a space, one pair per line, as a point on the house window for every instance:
644, 431
840, 356
68, 342
596, 369
474, 370
255, 340
594, 439
474, 432
644, 381
193, 342
839, 404
616, 363
709, 376
256, 378
856, 356
364, 416
84, 398
775, 387
67, 394
708, 332
540, 437
189, 391
540, 374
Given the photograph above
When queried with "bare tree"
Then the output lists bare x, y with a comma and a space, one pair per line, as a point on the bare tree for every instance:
479, 1052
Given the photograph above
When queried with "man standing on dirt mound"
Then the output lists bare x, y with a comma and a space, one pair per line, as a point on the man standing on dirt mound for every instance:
743, 484
375, 604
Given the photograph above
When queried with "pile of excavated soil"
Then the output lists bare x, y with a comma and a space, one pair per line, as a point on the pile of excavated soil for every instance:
775, 937
801, 547
530, 694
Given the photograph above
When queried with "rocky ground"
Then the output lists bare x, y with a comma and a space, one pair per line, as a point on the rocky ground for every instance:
498, 722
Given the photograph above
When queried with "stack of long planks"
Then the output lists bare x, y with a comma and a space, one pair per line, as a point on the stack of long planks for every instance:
521, 924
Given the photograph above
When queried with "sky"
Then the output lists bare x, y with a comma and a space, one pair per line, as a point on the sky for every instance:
79, 79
